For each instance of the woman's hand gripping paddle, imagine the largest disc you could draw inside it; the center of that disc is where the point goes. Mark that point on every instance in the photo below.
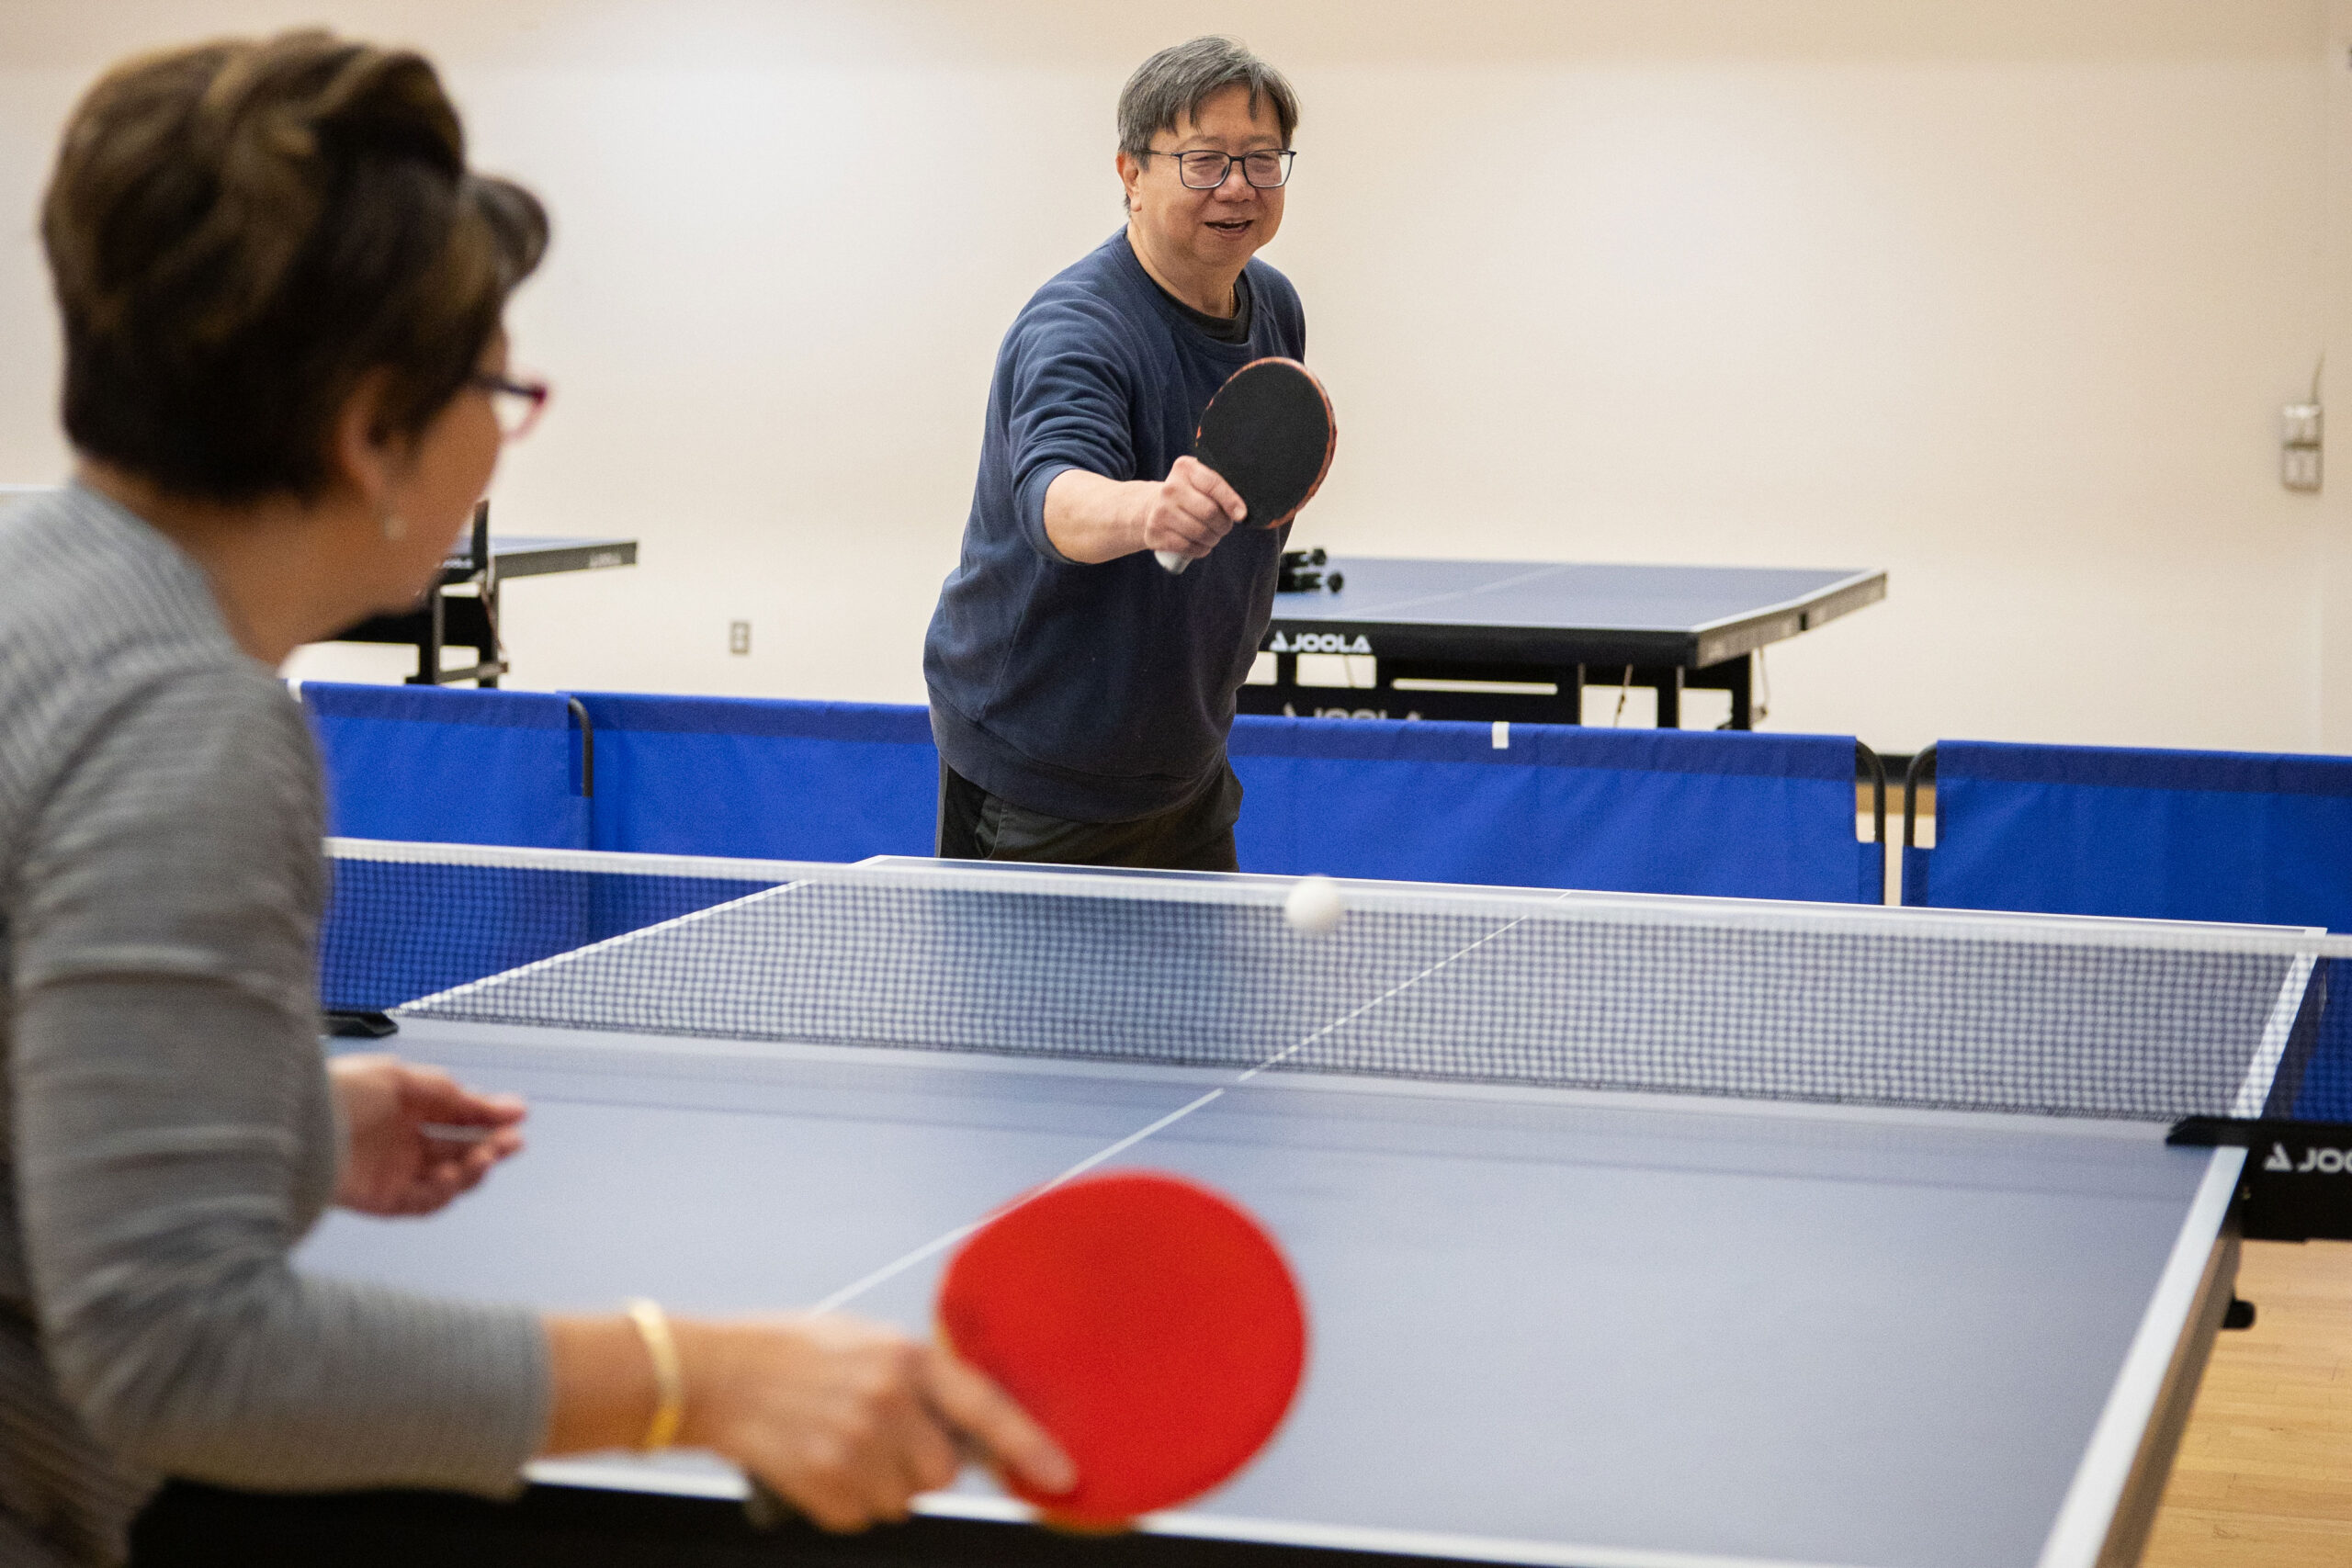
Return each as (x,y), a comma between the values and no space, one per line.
(1269,433)
(1147,1323)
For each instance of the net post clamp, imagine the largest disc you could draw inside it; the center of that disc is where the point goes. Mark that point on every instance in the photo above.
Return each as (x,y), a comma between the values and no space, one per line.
(2298,1180)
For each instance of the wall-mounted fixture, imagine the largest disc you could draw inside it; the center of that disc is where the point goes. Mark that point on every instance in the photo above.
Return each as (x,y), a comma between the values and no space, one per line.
(2298,438)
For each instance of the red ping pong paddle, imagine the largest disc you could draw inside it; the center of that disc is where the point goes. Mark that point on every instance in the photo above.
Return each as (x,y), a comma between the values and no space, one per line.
(1269,433)
(1144,1321)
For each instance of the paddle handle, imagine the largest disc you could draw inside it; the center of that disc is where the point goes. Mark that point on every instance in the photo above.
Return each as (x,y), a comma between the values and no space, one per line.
(1173,563)
(764,1508)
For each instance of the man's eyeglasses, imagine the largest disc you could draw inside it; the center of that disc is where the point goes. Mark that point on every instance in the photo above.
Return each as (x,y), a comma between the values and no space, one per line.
(517,405)
(1204,169)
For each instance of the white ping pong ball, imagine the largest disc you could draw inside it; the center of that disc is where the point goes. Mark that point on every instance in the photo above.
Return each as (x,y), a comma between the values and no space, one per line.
(1313,906)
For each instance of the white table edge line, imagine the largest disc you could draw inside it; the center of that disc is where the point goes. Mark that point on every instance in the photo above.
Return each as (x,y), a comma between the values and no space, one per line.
(2079,1532)
(1430,1543)
(2262,1072)
(627,1475)
(1785,605)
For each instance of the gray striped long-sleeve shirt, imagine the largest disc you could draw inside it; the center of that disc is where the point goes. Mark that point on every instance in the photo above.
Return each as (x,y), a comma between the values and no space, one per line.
(169,1134)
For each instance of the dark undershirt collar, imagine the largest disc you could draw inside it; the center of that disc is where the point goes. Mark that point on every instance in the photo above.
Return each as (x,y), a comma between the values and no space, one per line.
(1220,329)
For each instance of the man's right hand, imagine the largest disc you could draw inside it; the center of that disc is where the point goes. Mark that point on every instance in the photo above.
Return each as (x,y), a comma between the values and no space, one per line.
(1092,519)
(1187,512)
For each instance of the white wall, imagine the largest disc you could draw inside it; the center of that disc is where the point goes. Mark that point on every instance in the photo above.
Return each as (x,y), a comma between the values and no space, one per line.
(2002,296)
(2335,525)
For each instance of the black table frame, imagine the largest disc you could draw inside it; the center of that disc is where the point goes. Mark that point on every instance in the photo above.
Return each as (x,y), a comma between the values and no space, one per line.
(191,1526)
(443,619)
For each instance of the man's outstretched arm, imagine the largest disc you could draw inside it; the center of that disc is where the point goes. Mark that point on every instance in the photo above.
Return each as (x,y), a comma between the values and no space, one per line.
(1092,519)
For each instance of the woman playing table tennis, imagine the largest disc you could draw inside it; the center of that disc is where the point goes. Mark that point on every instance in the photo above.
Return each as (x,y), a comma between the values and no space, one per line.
(286,378)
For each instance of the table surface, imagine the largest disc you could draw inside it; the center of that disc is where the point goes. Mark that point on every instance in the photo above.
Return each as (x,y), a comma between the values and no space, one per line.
(1549,1325)
(1565,610)
(537,555)
(1562,595)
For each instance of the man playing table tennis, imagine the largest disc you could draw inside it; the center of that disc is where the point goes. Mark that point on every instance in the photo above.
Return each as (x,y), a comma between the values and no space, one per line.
(1080,695)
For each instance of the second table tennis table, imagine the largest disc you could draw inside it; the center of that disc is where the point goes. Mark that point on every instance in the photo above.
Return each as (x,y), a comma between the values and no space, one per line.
(1520,640)
(1637,1233)
(469,617)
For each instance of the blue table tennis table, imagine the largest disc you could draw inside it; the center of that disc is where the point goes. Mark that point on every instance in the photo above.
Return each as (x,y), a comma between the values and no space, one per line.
(1636,1232)
(1519,640)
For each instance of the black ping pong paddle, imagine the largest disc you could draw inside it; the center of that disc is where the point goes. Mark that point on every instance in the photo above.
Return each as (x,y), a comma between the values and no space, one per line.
(1269,433)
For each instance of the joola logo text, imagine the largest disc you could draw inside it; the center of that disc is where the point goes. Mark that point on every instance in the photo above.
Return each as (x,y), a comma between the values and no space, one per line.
(1319,642)
(2321,1162)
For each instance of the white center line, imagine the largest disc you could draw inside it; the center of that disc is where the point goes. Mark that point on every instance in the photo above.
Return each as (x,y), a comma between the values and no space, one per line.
(938,1245)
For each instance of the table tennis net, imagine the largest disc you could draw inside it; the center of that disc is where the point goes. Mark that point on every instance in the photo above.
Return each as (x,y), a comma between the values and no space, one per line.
(1823,1003)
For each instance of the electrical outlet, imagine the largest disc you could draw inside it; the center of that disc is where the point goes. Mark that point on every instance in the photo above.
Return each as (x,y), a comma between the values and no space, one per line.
(2299,431)
(739,636)
(2298,467)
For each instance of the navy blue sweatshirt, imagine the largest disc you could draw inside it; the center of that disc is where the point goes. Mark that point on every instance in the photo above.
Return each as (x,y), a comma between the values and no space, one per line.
(1100,694)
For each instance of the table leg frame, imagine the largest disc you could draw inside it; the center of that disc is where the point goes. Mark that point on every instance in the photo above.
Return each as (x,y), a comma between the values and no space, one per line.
(1286,696)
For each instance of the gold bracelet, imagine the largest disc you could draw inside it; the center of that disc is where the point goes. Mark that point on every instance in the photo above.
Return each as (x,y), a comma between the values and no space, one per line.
(669,1377)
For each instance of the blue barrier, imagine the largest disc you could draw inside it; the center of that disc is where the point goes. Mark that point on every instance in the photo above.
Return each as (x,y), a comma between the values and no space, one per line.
(765,779)
(1728,814)
(2153,834)
(2172,835)
(451,766)
(1716,813)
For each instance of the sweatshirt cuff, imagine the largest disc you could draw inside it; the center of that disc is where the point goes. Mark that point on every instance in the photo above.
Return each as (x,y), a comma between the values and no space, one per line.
(1029,502)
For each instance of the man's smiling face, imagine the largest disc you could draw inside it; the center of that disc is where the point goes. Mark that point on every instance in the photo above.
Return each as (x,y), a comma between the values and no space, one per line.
(1209,231)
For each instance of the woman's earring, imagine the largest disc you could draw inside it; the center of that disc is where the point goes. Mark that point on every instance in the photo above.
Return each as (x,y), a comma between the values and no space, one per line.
(395,526)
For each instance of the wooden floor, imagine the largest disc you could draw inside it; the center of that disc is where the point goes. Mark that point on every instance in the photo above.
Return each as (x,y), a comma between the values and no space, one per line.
(2265,1471)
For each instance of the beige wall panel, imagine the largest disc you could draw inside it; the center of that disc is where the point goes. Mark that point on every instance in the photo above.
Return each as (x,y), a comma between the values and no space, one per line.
(2002,297)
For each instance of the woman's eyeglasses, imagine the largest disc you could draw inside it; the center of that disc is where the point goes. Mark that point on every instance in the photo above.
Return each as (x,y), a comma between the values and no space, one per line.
(517,405)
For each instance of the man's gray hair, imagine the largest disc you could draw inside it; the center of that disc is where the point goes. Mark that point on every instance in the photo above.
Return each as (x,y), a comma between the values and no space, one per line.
(1171,86)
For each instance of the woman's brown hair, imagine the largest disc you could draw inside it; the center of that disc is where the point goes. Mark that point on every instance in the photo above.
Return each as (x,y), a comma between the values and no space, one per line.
(240,233)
